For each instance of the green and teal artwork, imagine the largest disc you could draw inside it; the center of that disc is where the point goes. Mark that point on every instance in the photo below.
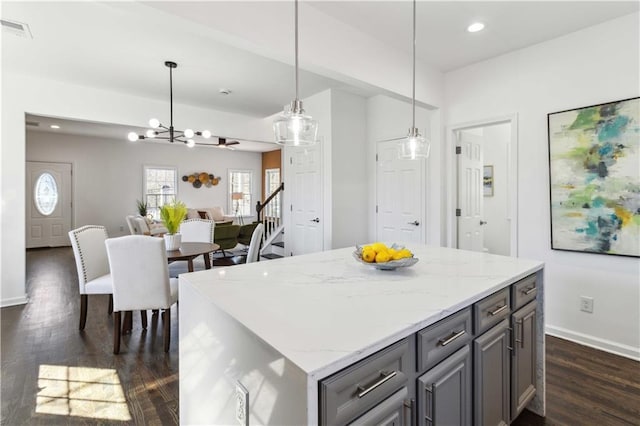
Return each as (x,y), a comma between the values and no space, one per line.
(594,169)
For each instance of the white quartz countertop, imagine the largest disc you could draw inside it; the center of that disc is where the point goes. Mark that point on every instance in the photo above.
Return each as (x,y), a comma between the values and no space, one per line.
(325,311)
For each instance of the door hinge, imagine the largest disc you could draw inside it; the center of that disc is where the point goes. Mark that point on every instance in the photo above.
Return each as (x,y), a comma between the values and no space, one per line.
(376,157)
(458,212)
(290,160)
(290,207)
(458,150)
(376,209)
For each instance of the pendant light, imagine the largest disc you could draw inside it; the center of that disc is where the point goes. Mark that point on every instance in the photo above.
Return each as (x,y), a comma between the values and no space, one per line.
(293,127)
(160,131)
(414,146)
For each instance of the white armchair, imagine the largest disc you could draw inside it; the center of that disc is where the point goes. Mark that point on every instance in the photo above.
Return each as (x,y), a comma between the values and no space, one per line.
(140,281)
(92,265)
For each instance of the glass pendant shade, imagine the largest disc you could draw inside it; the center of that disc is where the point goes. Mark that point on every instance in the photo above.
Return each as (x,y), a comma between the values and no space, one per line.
(294,128)
(414,146)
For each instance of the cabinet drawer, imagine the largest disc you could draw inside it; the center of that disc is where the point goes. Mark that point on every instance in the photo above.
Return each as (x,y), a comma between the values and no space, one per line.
(491,310)
(355,390)
(443,338)
(391,411)
(523,292)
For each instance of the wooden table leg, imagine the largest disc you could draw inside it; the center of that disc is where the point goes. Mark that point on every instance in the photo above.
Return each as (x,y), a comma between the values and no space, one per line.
(190,265)
(207,261)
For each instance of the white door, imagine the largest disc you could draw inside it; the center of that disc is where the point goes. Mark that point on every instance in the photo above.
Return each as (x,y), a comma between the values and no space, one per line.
(48,208)
(470,219)
(400,196)
(306,201)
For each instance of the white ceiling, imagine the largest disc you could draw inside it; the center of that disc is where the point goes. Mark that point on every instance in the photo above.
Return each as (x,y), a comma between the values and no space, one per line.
(122,46)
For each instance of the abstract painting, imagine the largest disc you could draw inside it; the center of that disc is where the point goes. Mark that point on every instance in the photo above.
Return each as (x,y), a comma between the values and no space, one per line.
(594,170)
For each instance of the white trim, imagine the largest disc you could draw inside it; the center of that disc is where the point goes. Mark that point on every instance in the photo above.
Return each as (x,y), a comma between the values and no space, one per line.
(13,301)
(594,342)
(452,185)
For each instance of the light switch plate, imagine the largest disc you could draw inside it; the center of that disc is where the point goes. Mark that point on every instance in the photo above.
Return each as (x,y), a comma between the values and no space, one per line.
(242,404)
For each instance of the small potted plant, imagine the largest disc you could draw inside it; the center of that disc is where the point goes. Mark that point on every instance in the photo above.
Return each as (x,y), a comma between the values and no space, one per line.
(142,208)
(172,215)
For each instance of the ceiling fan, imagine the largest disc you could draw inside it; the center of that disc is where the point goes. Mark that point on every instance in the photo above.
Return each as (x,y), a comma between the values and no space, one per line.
(222,143)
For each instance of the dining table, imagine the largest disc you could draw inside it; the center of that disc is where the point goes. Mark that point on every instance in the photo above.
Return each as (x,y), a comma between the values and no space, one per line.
(189,251)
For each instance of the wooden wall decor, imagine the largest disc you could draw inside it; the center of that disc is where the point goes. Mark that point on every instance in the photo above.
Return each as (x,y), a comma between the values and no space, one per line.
(201,179)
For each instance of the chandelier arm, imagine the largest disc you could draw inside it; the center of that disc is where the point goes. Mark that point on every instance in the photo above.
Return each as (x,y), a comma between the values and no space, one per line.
(413,96)
(296,43)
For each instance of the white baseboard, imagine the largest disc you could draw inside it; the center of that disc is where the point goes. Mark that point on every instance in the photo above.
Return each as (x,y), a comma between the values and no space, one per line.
(594,342)
(13,301)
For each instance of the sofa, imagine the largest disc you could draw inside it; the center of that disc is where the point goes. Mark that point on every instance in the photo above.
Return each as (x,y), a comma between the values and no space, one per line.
(212,213)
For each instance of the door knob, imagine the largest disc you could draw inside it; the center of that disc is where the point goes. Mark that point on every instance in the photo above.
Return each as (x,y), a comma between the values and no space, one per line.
(482,222)
(415,223)
(316,220)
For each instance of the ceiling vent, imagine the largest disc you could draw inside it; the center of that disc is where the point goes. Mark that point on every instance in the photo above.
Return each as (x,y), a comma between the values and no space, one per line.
(16,28)
(33,123)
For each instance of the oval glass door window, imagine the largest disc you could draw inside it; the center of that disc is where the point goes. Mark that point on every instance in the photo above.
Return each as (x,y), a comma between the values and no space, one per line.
(45,194)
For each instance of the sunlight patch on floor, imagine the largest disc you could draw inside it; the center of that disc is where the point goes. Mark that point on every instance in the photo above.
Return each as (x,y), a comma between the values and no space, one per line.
(81,391)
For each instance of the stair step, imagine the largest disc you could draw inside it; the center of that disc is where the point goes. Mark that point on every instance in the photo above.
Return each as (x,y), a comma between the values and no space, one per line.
(279,244)
(271,256)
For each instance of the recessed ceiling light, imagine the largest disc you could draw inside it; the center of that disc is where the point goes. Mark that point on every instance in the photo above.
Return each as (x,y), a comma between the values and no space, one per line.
(475,27)
(54,126)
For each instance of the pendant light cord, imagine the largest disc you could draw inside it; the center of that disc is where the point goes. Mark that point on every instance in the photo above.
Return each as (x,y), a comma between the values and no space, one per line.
(413,96)
(296,43)
(170,104)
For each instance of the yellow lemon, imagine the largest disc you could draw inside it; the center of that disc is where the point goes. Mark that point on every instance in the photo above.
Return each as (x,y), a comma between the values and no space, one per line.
(379,247)
(392,252)
(404,253)
(368,255)
(383,257)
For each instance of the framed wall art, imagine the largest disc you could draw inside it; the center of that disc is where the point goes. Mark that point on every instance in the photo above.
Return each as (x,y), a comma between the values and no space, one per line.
(594,173)
(487,181)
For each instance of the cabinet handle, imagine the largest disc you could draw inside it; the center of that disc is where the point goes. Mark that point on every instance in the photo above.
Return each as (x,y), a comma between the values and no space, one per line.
(497,311)
(451,338)
(410,404)
(521,328)
(529,291)
(384,377)
(429,404)
(510,339)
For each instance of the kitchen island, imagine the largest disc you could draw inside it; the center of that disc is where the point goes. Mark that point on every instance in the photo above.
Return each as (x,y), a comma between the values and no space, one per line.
(279,327)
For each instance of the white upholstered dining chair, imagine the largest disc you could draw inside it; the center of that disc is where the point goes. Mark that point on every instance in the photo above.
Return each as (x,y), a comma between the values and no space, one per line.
(194,231)
(254,245)
(140,281)
(92,265)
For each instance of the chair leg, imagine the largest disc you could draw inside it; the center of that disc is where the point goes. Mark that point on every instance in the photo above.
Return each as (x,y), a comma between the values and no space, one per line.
(116,333)
(143,317)
(83,310)
(127,322)
(166,318)
(110,308)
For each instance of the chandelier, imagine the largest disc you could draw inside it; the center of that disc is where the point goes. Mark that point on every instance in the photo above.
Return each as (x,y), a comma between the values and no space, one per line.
(160,131)
(293,127)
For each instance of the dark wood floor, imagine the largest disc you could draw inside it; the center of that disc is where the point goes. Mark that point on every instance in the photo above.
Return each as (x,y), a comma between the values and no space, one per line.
(41,339)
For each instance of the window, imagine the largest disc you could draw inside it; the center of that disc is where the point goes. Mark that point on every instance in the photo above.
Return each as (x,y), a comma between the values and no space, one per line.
(271,183)
(46,194)
(240,184)
(160,187)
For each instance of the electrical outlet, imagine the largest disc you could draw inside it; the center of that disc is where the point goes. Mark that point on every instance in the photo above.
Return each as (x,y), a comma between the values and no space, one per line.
(586,304)
(121,228)
(242,404)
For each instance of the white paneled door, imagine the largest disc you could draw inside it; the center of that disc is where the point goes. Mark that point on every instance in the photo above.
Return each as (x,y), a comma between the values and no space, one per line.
(306,201)
(400,196)
(48,204)
(470,201)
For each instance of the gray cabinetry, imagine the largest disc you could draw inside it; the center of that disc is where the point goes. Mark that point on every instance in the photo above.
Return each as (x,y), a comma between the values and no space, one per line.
(523,365)
(491,390)
(444,392)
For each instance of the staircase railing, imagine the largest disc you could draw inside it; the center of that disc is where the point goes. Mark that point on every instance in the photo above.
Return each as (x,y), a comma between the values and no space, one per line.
(270,212)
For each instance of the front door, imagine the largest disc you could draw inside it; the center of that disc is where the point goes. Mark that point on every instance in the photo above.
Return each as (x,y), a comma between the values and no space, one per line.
(400,198)
(470,201)
(306,201)
(48,204)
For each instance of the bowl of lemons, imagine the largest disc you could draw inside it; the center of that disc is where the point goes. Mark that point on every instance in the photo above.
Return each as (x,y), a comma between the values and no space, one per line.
(383,257)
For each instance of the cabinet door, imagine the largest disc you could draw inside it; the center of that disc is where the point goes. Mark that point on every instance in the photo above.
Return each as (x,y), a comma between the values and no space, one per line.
(491,376)
(444,392)
(523,367)
(393,411)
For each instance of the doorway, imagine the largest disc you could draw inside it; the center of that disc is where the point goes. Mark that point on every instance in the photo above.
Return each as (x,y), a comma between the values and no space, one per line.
(484,186)
(48,204)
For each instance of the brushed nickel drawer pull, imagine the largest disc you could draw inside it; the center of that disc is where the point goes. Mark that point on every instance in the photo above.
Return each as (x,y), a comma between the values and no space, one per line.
(454,336)
(497,311)
(385,377)
(529,291)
